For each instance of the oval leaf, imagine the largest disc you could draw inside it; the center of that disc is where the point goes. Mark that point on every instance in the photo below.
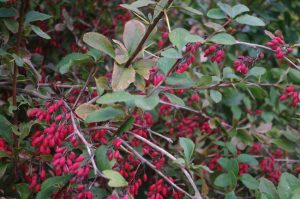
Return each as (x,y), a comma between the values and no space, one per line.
(115,178)
(250,20)
(103,114)
(122,77)
(223,38)
(99,42)
(134,31)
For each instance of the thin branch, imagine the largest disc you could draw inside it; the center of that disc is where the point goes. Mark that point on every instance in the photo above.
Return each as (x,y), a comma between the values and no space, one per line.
(216,31)
(92,72)
(185,108)
(266,48)
(155,133)
(169,155)
(147,34)
(144,160)
(84,141)
(22,12)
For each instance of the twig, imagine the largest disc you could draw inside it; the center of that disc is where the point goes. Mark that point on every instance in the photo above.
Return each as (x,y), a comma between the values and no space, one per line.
(144,160)
(253,45)
(86,144)
(185,108)
(216,31)
(92,72)
(169,155)
(23,8)
(155,133)
(145,37)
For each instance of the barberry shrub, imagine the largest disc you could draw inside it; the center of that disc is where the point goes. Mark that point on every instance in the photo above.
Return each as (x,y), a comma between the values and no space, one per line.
(149,99)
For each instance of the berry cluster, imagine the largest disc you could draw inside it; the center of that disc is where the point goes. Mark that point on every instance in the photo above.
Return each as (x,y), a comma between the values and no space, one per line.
(242,64)
(190,50)
(215,52)
(280,47)
(290,92)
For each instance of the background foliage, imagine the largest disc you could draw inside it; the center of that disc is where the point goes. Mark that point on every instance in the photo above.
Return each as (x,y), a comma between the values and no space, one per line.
(149,99)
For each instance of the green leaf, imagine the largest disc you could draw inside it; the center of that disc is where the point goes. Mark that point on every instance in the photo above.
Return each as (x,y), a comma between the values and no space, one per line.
(216,13)
(95,54)
(191,10)
(171,53)
(126,126)
(102,160)
(134,31)
(249,181)
(287,184)
(115,178)
(103,114)
(194,38)
(204,81)
(294,75)
(225,8)
(140,83)
(39,32)
(246,158)
(237,112)
(296,193)
(137,4)
(231,148)
(177,37)
(217,27)
(7,12)
(159,7)
(23,190)
(51,185)
(268,188)
(180,80)
(32,16)
(216,96)
(119,96)
(18,60)
(229,164)
(225,180)
(188,148)
(165,64)
(202,167)
(122,77)
(250,20)
(99,42)
(174,99)
(11,25)
(6,130)
(228,73)
(102,84)
(285,144)
(257,71)
(84,109)
(146,103)
(142,3)
(143,72)
(3,167)
(133,9)
(223,38)
(239,9)
(4,154)
(230,195)
(258,92)
(72,59)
